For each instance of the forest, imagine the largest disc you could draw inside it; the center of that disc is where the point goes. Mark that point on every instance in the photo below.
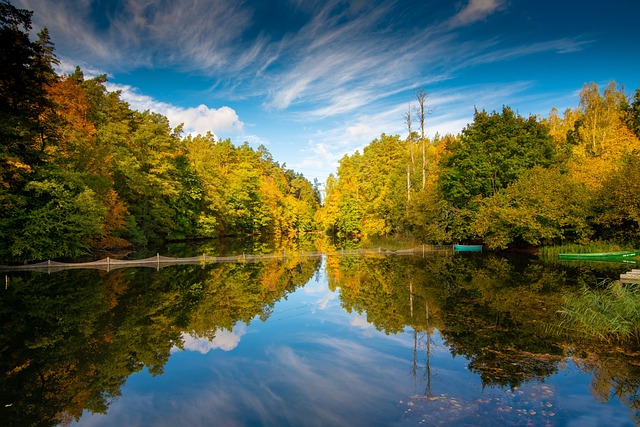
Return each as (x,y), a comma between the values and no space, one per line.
(81,171)
(505,180)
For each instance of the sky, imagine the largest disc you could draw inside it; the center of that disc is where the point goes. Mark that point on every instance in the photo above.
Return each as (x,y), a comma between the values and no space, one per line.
(313,80)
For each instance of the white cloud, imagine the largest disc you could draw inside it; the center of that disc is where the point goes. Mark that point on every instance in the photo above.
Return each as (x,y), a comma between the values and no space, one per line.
(317,161)
(224,340)
(68,67)
(197,120)
(202,118)
(358,131)
(475,11)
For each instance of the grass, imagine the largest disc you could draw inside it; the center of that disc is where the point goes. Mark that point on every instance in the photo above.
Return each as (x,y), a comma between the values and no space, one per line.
(552,252)
(611,312)
(391,243)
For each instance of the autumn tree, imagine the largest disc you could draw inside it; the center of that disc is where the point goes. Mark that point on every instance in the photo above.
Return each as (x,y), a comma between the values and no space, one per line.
(368,197)
(543,207)
(616,204)
(632,113)
(600,136)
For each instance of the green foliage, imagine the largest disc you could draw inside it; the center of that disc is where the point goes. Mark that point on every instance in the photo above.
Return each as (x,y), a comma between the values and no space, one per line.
(632,113)
(492,153)
(78,167)
(542,207)
(369,196)
(616,205)
(427,216)
(62,221)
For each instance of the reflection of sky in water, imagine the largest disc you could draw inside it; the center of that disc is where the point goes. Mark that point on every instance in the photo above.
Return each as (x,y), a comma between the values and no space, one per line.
(224,340)
(314,364)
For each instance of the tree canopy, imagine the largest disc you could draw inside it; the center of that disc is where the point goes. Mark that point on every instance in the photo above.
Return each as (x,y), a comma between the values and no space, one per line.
(505,180)
(80,169)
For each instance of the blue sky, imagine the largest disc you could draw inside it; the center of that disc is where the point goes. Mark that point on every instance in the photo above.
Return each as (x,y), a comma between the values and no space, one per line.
(313,80)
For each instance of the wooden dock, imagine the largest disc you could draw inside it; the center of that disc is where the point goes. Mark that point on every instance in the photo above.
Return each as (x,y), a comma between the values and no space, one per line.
(632,276)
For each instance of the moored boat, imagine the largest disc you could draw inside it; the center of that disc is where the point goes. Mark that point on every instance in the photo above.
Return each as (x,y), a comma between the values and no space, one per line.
(601,256)
(467,248)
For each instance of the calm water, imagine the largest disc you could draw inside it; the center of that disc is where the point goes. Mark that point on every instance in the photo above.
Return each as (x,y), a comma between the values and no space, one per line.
(356,341)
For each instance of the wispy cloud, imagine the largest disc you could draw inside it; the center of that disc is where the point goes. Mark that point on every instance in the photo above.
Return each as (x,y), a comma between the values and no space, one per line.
(475,11)
(508,53)
(201,34)
(338,69)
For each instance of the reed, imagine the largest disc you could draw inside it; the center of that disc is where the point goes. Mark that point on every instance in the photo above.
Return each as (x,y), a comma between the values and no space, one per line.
(552,252)
(610,312)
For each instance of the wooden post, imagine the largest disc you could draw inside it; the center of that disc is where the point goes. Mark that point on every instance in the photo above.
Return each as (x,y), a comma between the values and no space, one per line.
(108,264)
(158,259)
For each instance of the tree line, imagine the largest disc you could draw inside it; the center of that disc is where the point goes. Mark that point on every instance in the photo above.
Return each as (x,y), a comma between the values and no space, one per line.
(80,170)
(505,180)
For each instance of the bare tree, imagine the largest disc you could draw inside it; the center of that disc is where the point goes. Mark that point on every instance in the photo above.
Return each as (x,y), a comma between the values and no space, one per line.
(422,112)
(407,120)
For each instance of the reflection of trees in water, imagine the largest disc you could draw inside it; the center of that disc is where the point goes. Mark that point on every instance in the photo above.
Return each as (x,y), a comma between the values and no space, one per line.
(496,312)
(71,339)
(615,372)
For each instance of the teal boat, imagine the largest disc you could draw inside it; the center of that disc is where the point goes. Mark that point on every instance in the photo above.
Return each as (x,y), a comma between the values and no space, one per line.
(601,256)
(467,248)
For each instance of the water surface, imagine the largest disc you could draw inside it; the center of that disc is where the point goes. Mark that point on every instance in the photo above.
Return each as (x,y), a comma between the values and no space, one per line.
(465,339)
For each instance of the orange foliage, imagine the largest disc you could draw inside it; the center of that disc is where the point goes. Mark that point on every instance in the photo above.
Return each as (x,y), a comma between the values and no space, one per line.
(77,142)
(116,211)
(272,274)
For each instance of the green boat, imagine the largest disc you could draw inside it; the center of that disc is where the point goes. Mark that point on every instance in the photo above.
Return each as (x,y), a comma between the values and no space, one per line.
(601,256)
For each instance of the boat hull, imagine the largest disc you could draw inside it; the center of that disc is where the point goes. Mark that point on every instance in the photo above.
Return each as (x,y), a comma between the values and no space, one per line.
(601,256)
(467,248)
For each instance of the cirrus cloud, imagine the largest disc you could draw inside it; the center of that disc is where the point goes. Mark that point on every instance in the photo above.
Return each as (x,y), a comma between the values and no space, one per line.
(475,11)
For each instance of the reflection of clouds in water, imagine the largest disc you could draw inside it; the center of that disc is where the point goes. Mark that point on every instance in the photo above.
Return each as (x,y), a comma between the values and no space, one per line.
(350,378)
(325,299)
(321,381)
(360,321)
(314,288)
(224,340)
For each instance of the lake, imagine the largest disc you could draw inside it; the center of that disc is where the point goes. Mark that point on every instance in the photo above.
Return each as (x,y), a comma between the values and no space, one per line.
(439,339)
